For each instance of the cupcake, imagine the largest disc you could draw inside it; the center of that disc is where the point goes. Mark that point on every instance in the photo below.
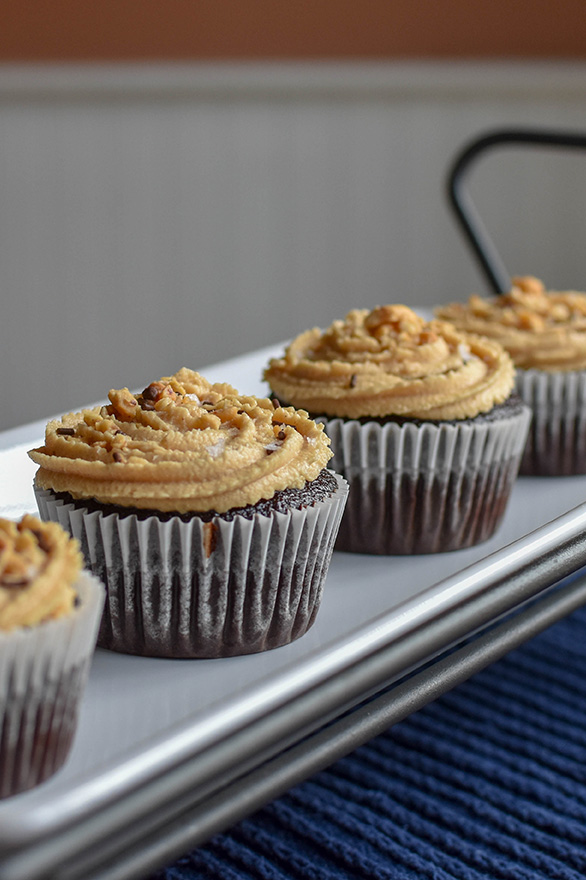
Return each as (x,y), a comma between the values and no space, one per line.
(545,334)
(423,426)
(49,616)
(210,516)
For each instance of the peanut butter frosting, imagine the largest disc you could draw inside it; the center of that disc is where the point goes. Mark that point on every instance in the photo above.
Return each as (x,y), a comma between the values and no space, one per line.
(182,445)
(39,563)
(390,362)
(541,329)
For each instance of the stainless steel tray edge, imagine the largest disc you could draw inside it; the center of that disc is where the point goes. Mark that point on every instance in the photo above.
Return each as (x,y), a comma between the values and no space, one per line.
(129,855)
(327,745)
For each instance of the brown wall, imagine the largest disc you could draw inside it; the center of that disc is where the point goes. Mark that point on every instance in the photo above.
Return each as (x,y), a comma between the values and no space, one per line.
(180,30)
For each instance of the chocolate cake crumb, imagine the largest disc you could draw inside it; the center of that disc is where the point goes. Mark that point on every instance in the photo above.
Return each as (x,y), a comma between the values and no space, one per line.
(511,406)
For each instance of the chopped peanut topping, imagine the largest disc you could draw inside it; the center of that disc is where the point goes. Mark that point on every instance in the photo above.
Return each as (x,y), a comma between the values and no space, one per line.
(39,563)
(181,445)
(543,329)
(391,362)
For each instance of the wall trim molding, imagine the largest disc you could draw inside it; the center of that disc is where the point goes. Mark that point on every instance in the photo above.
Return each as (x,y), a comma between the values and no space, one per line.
(342,80)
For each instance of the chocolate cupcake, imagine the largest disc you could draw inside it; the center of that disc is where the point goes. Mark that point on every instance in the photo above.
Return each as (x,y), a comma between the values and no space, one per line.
(49,616)
(545,334)
(210,516)
(422,423)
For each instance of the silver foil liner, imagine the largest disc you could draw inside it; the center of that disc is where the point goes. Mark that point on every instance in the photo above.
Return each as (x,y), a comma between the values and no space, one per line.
(180,588)
(43,671)
(425,487)
(556,445)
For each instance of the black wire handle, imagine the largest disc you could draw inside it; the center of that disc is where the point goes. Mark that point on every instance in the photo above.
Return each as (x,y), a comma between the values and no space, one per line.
(463,206)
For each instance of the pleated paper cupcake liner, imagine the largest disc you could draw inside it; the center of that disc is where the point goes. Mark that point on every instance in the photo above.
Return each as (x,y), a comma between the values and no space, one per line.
(556,445)
(43,672)
(425,487)
(180,588)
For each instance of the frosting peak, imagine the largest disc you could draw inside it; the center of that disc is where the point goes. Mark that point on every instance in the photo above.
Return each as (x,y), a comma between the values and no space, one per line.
(390,361)
(388,335)
(181,445)
(386,322)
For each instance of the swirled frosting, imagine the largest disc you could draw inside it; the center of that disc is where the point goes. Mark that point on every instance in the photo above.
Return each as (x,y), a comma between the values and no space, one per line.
(181,445)
(390,361)
(541,329)
(39,563)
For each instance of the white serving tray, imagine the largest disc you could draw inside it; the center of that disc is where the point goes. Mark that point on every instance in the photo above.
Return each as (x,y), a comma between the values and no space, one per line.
(168,752)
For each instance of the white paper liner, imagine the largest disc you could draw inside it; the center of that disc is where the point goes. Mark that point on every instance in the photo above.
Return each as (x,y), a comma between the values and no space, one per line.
(43,671)
(195,589)
(424,487)
(556,444)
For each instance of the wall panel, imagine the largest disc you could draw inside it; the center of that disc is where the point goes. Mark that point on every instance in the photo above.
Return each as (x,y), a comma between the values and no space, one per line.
(154,218)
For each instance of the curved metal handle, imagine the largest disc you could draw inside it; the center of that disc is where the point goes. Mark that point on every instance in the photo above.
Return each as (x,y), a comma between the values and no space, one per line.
(463,206)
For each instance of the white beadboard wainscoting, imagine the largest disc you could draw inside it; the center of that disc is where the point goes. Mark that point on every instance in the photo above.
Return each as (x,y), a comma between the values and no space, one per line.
(153,217)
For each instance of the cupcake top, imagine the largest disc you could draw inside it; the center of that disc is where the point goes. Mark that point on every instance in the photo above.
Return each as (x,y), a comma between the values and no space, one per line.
(39,563)
(541,329)
(390,362)
(182,445)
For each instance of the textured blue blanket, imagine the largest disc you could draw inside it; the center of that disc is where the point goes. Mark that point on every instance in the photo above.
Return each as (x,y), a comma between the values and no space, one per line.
(487,782)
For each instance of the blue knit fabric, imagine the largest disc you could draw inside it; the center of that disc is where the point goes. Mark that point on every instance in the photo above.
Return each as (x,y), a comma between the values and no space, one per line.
(488,782)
